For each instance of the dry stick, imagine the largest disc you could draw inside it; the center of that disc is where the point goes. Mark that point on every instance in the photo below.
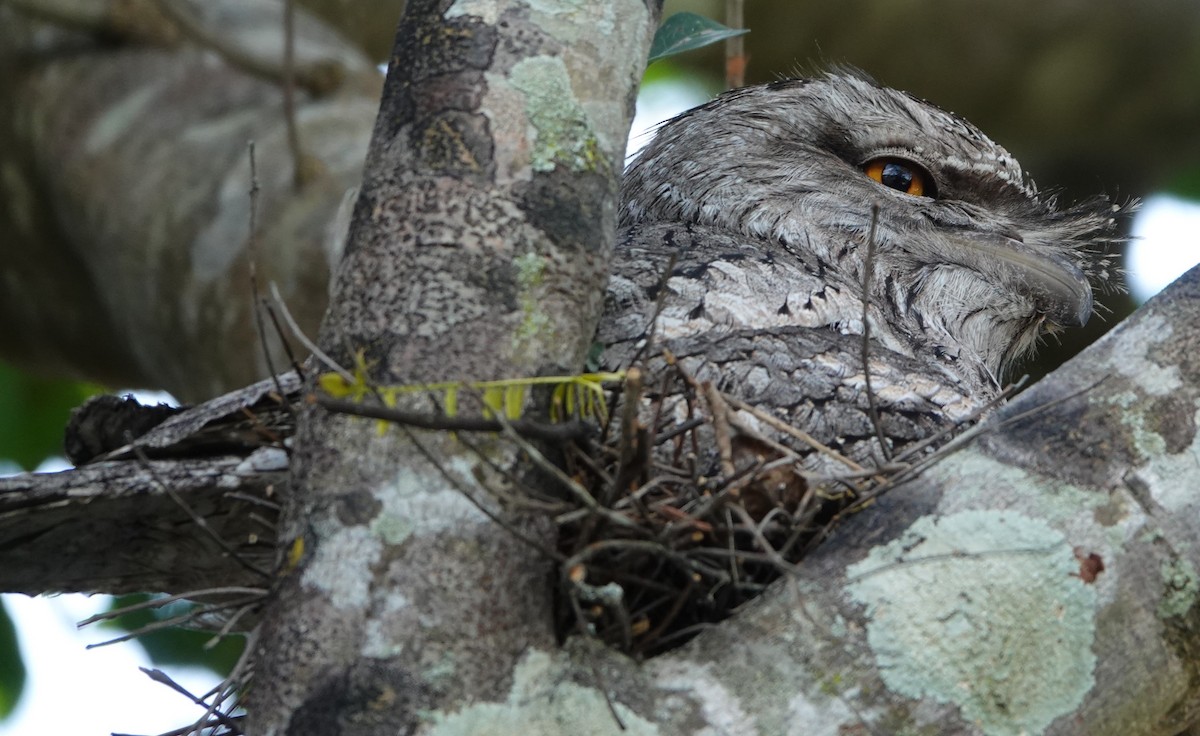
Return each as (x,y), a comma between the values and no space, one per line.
(659,303)
(918,447)
(239,496)
(681,598)
(233,681)
(868,269)
(913,471)
(764,545)
(453,481)
(577,491)
(529,500)
(163,679)
(160,602)
(799,434)
(563,432)
(722,433)
(979,430)
(677,430)
(629,448)
(683,562)
(174,621)
(600,682)
(256,297)
(304,339)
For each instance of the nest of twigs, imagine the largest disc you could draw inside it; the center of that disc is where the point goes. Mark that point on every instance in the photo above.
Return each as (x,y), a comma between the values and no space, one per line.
(692,515)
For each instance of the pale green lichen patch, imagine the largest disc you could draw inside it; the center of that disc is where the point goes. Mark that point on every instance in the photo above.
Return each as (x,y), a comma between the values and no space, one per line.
(1135,364)
(392,528)
(1132,414)
(348,547)
(1180,587)
(979,477)
(542,702)
(985,610)
(417,500)
(531,274)
(1170,478)
(563,134)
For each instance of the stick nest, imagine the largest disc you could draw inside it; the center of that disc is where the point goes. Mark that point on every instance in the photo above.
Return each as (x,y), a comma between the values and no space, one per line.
(682,519)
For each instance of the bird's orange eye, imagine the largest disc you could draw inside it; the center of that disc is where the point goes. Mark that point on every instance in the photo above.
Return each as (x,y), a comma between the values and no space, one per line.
(903,176)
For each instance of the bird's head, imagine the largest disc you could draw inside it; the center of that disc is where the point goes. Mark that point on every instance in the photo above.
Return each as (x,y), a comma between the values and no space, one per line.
(971,262)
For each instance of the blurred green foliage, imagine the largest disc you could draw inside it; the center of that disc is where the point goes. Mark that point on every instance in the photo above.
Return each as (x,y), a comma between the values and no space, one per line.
(33,413)
(12,669)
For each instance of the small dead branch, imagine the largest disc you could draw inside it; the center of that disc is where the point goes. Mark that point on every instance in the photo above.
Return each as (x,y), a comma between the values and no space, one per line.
(562,432)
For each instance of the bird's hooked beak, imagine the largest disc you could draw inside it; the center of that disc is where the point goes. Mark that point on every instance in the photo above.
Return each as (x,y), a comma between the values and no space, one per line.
(1058,287)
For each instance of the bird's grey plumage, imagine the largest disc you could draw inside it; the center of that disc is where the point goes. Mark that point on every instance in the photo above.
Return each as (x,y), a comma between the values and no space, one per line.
(762,197)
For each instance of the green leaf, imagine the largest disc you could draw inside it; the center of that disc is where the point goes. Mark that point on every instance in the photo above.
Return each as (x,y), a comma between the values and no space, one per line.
(33,414)
(687,31)
(12,669)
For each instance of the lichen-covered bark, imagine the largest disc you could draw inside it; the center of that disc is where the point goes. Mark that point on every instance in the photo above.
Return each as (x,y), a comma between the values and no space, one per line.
(478,250)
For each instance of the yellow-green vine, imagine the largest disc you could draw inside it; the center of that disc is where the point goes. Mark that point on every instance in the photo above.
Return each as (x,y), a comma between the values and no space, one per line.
(579,396)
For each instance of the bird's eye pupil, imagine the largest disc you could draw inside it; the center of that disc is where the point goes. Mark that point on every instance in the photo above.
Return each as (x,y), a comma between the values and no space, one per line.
(901,175)
(896,176)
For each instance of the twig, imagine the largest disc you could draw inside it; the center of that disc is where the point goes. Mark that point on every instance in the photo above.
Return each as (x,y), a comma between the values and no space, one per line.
(174,621)
(165,600)
(458,486)
(722,433)
(868,270)
(563,432)
(304,339)
(799,434)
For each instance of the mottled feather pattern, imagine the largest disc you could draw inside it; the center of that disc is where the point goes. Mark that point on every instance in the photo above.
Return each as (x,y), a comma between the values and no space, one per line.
(762,198)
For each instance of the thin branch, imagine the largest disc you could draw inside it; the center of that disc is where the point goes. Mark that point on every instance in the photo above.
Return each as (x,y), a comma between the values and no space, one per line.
(304,339)
(868,270)
(165,600)
(564,432)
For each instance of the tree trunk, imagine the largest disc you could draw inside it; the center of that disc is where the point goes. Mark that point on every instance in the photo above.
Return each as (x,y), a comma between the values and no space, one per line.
(479,250)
